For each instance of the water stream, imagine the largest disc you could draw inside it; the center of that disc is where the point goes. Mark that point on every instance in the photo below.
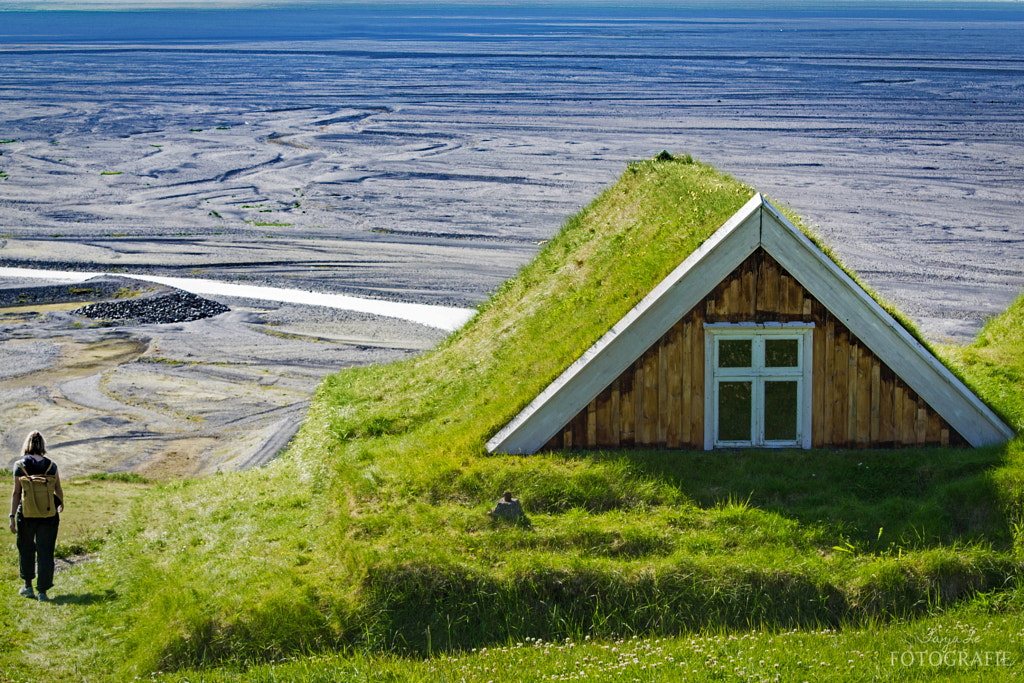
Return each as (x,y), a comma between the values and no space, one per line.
(442,317)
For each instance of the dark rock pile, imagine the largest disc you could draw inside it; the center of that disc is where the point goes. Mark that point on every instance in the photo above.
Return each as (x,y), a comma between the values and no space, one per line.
(176,307)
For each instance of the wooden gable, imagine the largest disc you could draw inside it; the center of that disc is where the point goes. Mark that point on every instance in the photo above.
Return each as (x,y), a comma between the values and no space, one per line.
(658,401)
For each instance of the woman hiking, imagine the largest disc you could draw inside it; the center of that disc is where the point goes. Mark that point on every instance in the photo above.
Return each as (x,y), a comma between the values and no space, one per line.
(36,504)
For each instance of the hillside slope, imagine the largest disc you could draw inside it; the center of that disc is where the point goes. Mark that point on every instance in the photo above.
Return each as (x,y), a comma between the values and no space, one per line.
(371,533)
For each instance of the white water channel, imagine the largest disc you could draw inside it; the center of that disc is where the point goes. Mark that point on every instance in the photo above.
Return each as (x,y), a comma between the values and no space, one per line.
(442,317)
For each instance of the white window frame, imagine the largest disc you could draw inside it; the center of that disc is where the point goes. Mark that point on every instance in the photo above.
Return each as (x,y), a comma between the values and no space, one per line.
(757,375)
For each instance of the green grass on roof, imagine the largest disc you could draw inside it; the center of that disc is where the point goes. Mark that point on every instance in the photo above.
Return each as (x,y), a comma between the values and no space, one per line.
(994,364)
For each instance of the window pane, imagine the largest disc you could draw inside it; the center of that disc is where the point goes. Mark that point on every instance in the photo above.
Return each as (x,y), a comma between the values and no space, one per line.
(781,353)
(780,411)
(735,353)
(734,401)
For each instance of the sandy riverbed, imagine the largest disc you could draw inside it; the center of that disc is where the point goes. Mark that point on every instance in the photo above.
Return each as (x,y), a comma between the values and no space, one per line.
(181,399)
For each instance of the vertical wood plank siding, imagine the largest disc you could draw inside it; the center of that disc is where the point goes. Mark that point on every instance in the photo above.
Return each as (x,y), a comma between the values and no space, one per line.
(658,402)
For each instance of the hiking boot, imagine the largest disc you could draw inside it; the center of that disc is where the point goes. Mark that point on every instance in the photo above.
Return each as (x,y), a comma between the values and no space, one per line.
(42,596)
(26,591)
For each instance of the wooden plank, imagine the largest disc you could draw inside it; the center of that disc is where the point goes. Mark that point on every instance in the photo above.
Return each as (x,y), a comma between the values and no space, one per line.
(579,430)
(796,297)
(627,409)
(734,302)
(818,379)
(659,362)
(784,282)
(841,353)
(567,436)
(863,396)
(614,418)
(885,429)
(739,301)
(909,418)
(771,285)
(749,294)
(591,441)
(933,433)
(852,385)
(673,406)
(762,269)
(921,423)
(649,428)
(603,426)
(828,389)
(686,385)
(639,395)
(662,417)
(876,399)
(944,436)
(697,384)
(898,398)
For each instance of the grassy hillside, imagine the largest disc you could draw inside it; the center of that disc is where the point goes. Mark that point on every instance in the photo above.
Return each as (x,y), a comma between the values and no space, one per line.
(367,547)
(995,363)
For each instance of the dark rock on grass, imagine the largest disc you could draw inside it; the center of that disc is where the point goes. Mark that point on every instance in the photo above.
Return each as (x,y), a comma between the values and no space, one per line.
(509,509)
(176,307)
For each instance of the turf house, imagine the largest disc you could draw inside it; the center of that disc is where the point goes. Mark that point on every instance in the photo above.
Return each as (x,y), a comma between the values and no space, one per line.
(757,339)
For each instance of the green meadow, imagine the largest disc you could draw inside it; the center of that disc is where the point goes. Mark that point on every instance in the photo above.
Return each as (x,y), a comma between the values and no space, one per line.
(365,552)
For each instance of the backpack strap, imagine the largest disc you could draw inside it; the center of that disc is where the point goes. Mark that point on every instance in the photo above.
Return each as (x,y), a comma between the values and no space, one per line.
(50,470)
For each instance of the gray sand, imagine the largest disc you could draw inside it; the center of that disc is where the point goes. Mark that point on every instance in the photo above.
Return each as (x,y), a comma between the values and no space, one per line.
(933,225)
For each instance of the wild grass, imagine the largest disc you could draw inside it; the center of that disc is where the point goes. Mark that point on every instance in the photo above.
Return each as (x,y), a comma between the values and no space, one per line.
(917,650)
(366,550)
(995,363)
(94,505)
(127,293)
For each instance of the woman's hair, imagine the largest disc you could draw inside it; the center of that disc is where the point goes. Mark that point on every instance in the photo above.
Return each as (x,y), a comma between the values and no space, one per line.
(34,445)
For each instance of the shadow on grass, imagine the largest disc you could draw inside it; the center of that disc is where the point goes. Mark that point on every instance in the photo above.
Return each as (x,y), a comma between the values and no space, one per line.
(909,498)
(84,599)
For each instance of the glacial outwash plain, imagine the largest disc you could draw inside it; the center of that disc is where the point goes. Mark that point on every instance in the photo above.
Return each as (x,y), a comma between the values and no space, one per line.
(425,158)
(296,492)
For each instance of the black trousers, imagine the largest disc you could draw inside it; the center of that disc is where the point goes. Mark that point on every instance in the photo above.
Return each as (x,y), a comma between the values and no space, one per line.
(36,541)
